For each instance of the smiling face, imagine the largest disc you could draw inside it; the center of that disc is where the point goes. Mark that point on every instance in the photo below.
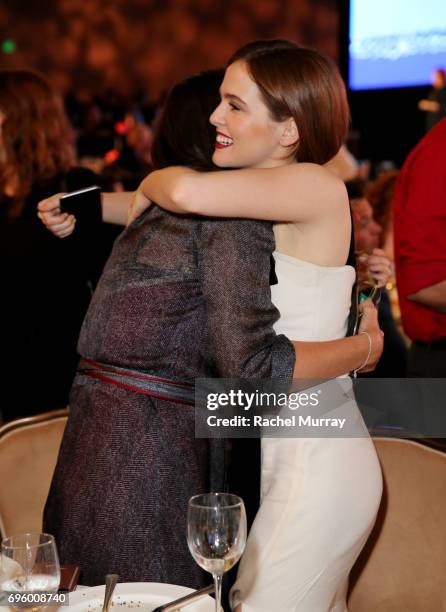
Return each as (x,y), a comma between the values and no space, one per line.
(246,134)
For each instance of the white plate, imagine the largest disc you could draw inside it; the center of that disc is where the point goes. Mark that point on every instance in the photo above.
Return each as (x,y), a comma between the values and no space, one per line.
(138,596)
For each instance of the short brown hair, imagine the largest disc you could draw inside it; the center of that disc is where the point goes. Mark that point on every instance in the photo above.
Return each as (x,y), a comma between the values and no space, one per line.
(36,138)
(306,85)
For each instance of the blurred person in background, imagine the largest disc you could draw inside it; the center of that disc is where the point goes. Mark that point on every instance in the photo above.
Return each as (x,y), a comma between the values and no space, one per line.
(380,193)
(112,138)
(420,252)
(344,165)
(435,104)
(128,159)
(46,282)
(376,268)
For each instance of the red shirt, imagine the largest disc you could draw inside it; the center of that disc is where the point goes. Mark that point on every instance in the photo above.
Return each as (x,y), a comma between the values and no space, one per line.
(420,232)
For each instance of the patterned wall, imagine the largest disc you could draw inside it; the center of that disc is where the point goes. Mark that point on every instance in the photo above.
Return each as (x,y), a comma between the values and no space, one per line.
(146,45)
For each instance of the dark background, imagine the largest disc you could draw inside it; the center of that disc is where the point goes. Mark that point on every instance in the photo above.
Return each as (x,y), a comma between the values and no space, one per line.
(140,47)
(386,123)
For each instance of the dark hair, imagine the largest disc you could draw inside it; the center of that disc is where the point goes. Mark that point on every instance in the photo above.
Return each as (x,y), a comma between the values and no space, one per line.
(35,134)
(184,136)
(303,84)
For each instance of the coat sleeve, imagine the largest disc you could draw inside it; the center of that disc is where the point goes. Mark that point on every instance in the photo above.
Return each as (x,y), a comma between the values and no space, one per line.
(234,261)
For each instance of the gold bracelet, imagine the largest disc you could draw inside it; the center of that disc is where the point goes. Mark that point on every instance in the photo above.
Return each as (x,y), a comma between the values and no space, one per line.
(355,372)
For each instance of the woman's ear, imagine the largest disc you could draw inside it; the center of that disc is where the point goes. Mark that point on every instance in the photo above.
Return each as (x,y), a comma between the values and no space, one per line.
(290,133)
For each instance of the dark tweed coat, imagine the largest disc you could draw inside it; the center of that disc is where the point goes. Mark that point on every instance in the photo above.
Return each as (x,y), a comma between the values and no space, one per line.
(186,298)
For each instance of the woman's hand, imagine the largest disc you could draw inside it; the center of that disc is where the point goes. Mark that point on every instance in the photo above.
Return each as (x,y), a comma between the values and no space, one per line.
(379,267)
(369,323)
(59,223)
(138,205)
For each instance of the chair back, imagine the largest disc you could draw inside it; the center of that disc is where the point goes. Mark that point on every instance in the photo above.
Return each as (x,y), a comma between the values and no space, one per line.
(403,565)
(28,454)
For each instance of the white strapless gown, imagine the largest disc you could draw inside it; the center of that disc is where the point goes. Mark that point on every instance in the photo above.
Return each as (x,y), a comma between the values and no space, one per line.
(319,496)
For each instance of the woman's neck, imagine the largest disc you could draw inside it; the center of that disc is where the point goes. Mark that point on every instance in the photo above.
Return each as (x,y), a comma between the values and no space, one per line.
(276,163)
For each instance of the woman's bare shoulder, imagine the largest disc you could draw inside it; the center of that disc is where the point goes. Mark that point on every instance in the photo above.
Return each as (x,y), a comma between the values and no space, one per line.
(316,181)
(317,171)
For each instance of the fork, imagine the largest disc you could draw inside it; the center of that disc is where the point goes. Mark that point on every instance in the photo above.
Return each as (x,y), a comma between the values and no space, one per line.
(174,606)
(110,583)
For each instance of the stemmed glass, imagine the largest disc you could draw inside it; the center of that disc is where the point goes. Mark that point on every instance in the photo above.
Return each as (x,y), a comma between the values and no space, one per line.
(366,286)
(216,534)
(366,281)
(29,563)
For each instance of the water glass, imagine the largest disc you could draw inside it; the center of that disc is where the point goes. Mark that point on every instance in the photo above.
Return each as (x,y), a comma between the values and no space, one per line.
(216,534)
(29,564)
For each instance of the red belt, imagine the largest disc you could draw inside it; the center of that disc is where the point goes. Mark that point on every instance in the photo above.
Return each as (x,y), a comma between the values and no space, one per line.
(140,381)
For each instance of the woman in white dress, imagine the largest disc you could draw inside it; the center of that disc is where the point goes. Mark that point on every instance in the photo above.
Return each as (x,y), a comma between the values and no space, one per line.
(283,113)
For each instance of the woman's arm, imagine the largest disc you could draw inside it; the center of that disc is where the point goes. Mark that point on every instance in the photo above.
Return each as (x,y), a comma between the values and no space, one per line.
(433,296)
(295,192)
(235,258)
(336,357)
(431,106)
(115,206)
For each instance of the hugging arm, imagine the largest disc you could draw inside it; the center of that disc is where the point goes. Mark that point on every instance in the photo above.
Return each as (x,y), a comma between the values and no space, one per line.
(336,357)
(234,264)
(235,270)
(299,192)
(115,206)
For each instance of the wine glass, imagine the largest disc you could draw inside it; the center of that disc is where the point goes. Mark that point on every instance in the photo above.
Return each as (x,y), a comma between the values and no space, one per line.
(216,534)
(30,564)
(365,278)
(366,287)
